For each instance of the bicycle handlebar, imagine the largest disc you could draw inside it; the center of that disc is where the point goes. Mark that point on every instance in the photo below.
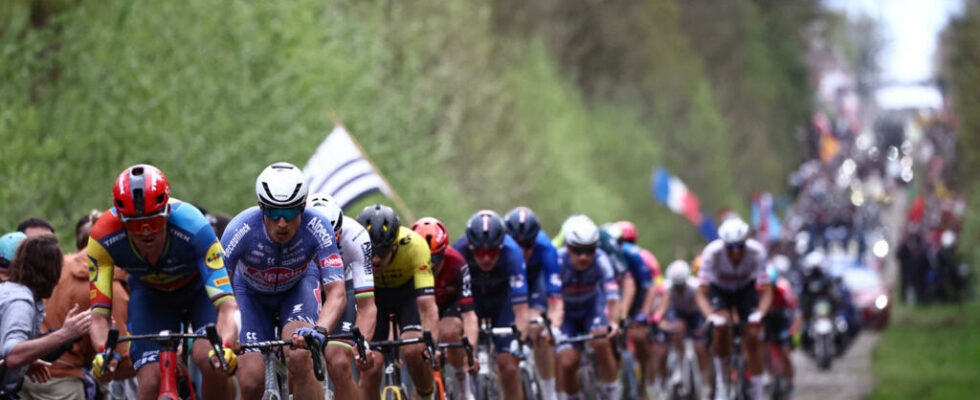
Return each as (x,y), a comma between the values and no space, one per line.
(354,335)
(464,344)
(166,339)
(587,337)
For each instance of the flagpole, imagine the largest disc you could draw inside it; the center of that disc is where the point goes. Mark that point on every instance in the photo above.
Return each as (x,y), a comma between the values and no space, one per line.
(399,203)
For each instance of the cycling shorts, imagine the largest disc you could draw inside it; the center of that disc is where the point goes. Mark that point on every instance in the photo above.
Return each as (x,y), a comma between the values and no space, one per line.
(692,322)
(593,320)
(401,302)
(152,311)
(260,310)
(501,316)
(347,320)
(776,324)
(538,293)
(745,299)
(451,310)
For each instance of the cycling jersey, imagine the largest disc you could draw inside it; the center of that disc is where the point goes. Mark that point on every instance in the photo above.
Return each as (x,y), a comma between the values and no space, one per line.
(192,257)
(269,267)
(718,271)
(507,277)
(585,290)
(608,244)
(652,264)
(355,250)
(686,301)
(541,266)
(783,296)
(453,283)
(411,261)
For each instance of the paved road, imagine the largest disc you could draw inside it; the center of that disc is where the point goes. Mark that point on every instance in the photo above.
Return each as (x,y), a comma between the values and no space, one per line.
(849,376)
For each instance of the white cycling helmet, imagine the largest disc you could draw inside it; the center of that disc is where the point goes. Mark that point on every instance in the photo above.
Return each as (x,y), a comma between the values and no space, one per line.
(678,272)
(580,231)
(733,230)
(326,203)
(781,263)
(814,261)
(281,185)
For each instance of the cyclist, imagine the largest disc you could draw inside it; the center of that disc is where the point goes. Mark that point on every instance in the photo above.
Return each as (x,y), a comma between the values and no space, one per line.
(783,319)
(176,273)
(731,267)
(402,271)
(637,302)
(269,249)
(499,288)
(355,250)
(453,296)
(541,260)
(589,294)
(679,313)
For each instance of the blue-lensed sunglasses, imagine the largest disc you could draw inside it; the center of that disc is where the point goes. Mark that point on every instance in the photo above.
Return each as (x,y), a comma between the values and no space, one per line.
(436,258)
(275,213)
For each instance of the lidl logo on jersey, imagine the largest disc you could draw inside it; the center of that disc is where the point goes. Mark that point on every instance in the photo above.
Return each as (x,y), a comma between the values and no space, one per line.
(516,281)
(160,279)
(214,259)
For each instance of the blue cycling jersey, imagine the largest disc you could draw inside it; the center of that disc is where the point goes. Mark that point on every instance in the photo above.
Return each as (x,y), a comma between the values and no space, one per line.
(544,258)
(269,267)
(636,267)
(583,290)
(508,275)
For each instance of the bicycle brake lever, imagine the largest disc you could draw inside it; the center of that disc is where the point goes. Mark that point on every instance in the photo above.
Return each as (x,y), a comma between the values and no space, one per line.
(316,353)
(469,350)
(110,344)
(430,345)
(359,343)
(212,333)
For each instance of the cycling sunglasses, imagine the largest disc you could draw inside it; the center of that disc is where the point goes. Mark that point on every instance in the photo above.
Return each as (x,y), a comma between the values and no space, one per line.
(485,253)
(275,213)
(437,257)
(582,250)
(153,222)
(735,246)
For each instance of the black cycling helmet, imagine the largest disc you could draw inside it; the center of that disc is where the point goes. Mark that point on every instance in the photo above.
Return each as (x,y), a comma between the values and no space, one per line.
(485,230)
(382,225)
(522,225)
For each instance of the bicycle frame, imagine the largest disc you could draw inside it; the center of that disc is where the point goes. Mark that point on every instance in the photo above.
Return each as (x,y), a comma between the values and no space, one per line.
(440,380)
(168,343)
(391,380)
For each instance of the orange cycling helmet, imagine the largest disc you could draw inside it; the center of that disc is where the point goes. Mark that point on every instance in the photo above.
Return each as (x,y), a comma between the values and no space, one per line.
(434,232)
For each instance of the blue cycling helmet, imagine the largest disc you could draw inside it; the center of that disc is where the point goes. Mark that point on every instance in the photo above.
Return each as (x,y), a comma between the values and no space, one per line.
(522,225)
(485,230)
(8,247)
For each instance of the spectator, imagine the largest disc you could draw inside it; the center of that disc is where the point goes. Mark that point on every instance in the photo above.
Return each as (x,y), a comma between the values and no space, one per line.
(33,275)
(72,291)
(8,246)
(34,226)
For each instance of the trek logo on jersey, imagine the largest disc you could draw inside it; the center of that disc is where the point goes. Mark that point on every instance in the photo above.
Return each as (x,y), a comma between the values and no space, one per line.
(333,261)
(516,281)
(273,276)
(221,281)
(315,226)
(213,259)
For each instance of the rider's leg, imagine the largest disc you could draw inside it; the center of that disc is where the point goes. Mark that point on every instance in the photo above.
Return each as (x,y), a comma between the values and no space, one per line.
(755,357)
(567,362)
(722,347)
(544,357)
(608,367)
(642,349)
(149,375)
(251,375)
(418,367)
(339,357)
(299,364)
(450,331)
(369,384)
(510,376)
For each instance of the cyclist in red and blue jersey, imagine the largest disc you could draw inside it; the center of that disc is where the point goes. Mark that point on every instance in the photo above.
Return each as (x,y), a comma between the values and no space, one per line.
(269,252)
(499,287)
(589,301)
(541,259)
(454,297)
(176,274)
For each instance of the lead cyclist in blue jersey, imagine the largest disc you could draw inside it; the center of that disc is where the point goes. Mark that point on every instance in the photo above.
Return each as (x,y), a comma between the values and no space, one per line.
(269,250)
(541,259)
(590,300)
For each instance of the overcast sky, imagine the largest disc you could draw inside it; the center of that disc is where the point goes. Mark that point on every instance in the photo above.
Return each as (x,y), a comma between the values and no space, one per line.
(911,28)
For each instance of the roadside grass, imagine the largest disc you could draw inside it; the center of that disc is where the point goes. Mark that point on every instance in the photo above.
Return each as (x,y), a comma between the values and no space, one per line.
(929,352)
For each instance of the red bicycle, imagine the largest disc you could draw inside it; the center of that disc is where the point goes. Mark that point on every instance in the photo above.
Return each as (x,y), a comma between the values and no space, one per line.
(171,371)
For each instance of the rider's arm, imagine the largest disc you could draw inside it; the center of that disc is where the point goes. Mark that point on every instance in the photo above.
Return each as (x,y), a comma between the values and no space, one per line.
(704,280)
(649,299)
(702,299)
(664,304)
(334,305)
(100,271)
(609,286)
(629,293)
(211,265)
(331,266)
(363,277)
(766,299)
(517,273)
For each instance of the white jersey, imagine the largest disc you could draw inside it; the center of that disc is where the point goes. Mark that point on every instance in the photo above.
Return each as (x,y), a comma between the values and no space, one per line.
(355,249)
(717,270)
(685,301)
